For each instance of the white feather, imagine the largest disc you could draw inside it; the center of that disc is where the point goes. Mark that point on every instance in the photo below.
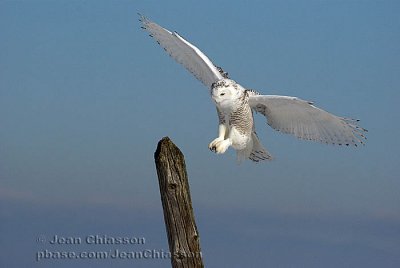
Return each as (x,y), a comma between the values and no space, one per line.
(305,121)
(184,53)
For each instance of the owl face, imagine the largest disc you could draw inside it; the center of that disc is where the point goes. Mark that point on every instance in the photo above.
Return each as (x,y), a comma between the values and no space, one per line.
(224,91)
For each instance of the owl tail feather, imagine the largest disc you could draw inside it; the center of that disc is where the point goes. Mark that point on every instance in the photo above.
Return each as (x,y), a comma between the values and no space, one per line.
(257,153)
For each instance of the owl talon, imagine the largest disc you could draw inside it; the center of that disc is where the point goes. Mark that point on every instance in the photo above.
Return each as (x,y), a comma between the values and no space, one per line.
(213,145)
(219,146)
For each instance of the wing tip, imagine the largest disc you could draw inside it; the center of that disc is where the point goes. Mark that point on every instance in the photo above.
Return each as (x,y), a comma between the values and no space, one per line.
(141,17)
(144,21)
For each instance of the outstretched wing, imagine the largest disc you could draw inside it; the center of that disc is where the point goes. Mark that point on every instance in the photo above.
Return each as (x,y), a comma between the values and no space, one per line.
(305,121)
(184,53)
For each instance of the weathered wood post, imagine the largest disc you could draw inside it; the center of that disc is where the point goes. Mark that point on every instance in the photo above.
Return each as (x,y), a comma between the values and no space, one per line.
(183,237)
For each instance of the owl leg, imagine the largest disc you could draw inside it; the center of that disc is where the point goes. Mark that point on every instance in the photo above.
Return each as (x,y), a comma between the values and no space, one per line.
(216,145)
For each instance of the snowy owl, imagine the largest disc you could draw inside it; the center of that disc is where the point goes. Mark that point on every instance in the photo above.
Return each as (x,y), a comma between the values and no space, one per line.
(236,104)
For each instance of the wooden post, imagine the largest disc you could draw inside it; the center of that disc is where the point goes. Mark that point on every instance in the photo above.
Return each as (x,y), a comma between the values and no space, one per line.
(183,237)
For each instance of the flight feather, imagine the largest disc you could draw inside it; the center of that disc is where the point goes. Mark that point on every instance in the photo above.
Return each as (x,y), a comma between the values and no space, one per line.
(184,53)
(305,121)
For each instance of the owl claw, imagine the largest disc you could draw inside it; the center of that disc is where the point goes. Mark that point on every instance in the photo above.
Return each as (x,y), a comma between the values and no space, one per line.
(219,145)
(213,145)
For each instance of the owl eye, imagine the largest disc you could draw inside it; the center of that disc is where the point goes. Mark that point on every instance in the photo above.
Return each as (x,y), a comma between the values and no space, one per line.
(222,94)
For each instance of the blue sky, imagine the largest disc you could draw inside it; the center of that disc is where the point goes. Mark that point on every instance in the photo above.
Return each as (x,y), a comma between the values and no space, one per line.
(85,95)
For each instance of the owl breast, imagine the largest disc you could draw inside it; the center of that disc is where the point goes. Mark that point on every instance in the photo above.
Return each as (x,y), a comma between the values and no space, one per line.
(241,125)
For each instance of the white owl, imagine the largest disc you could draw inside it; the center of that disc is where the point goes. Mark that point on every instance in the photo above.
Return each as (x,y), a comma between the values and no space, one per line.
(235,105)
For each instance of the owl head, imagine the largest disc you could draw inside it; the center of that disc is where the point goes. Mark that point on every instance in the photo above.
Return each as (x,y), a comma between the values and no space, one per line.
(225,91)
